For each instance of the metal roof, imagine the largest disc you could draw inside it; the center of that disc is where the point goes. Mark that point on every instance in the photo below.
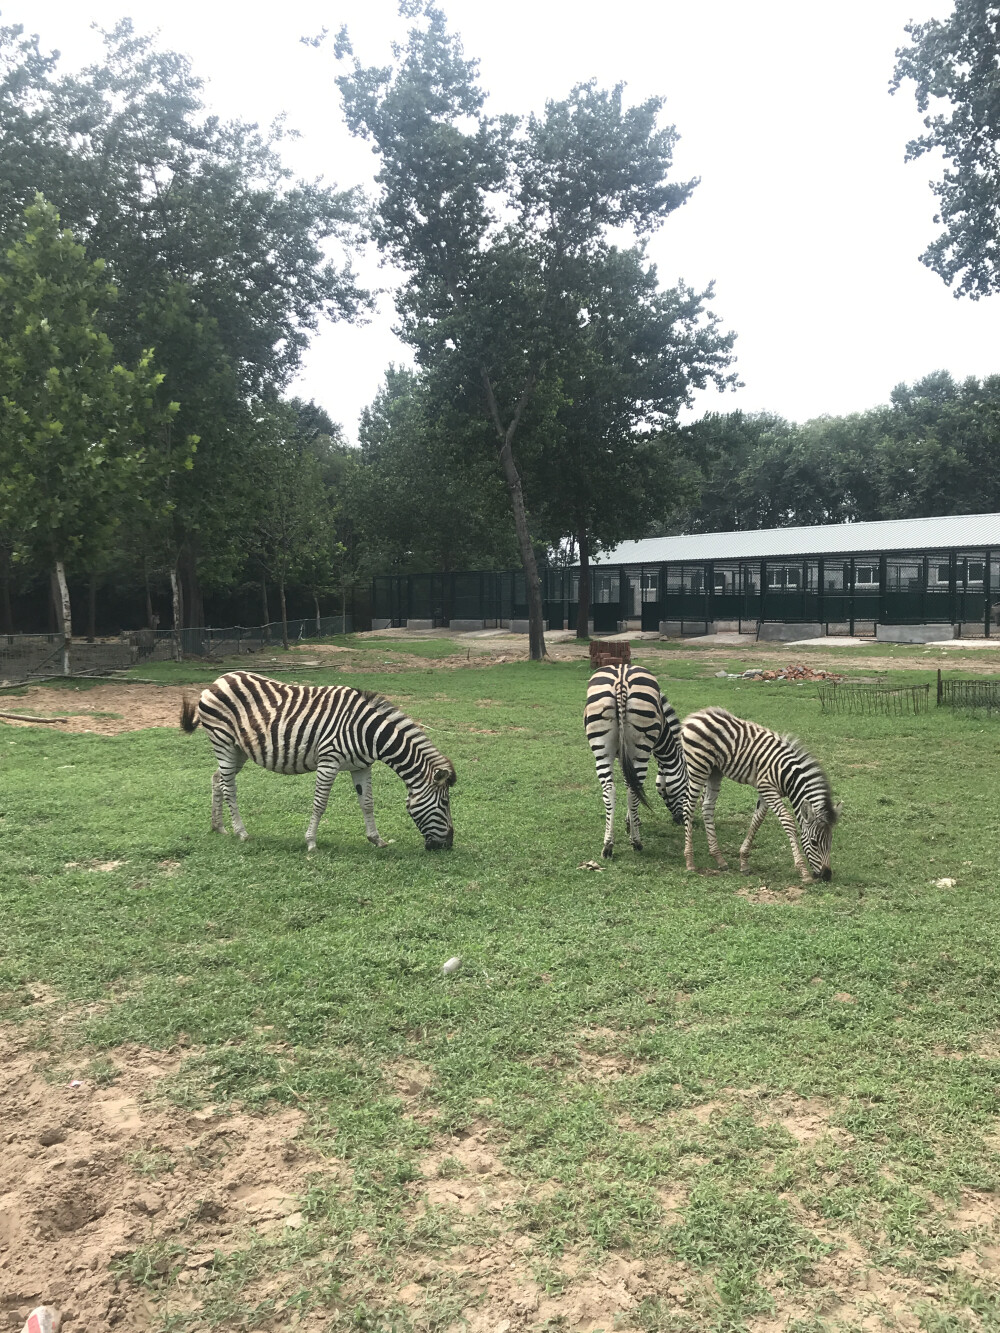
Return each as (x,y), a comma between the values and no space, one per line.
(951,532)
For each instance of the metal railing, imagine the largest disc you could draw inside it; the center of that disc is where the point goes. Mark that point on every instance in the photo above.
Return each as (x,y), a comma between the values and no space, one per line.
(26,657)
(888,700)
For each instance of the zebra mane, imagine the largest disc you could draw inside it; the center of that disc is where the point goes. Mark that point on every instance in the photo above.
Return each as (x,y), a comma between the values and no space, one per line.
(385,706)
(798,751)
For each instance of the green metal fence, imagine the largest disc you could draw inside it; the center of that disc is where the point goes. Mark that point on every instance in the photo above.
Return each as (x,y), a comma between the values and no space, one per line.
(908,588)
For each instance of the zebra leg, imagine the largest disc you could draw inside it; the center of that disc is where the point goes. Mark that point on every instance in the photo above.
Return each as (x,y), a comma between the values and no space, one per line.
(230,763)
(608,792)
(712,787)
(325,775)
(632,806)
(693,797)
(773,799)
(363,787)
(759,814)
(218,822)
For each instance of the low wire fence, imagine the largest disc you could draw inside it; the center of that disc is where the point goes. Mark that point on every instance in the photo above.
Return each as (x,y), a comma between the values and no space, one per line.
(871,699)
(975,695)
(26,657)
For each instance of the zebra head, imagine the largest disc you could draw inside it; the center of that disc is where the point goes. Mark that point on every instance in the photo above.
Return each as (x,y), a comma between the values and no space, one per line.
(671,783)
(817,835)
(429,805)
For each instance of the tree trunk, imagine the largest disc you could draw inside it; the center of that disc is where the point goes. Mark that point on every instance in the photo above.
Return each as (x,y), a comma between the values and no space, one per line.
(343,606)
(284,613)
(53,603)
(583,599)
(194,605)
(536,629)
(178,595)
(92,608)
(65,614)
(151,624)
(319,618)
(266,609)
(5,606)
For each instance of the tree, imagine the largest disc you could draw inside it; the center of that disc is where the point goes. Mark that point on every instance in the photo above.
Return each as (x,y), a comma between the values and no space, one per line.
(73,421)
(957,60)
(605,471)
(221,260)
(495,224)
(293,515)
(446,501)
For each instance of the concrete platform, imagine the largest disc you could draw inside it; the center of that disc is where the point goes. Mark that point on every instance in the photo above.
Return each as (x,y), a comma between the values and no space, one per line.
(914,633)
(775,632)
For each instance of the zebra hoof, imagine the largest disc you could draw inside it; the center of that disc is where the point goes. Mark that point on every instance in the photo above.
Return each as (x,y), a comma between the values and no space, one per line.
(637,846)
(378,842)
(609,851)
(242,834)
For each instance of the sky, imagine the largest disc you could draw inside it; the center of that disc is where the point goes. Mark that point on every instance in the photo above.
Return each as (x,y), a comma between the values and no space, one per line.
(806,219)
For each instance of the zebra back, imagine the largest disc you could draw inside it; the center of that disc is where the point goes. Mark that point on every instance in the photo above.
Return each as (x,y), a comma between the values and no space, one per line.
(747,752)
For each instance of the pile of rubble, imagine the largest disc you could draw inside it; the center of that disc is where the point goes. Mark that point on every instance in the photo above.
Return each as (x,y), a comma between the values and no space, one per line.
(799,674)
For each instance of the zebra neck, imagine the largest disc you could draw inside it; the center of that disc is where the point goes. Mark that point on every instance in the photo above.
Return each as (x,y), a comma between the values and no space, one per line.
(405,749)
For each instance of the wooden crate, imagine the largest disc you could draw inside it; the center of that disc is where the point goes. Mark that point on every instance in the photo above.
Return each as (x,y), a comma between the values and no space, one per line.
(604,654)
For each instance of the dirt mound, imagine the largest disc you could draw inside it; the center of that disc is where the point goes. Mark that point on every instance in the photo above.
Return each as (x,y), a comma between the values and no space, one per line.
(95,1180)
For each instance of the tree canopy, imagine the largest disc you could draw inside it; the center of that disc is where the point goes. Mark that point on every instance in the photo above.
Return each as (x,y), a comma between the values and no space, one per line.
(954,64)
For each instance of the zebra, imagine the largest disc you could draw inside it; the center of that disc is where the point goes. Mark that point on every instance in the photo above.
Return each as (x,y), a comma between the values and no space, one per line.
(718,745)
(628,717)
(321,729)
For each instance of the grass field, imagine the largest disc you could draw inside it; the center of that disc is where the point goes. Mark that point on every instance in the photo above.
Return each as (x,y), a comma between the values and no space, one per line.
(739,1104)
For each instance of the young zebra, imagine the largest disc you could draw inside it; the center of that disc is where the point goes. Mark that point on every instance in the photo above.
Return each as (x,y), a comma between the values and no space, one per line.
(718,745)
(321,729)
(626,717)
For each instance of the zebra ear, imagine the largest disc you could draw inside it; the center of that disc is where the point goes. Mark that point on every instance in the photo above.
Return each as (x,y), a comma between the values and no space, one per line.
(807,812)
(444,777)
(837,809)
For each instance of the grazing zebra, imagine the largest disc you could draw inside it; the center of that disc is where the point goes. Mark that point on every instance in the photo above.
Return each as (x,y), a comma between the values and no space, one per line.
(718,745)
(321,728)
(626,717)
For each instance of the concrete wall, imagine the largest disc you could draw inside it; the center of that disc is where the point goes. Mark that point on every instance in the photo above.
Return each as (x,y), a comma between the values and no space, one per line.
(913,633)
(688,629)
(466,626)
(782,633)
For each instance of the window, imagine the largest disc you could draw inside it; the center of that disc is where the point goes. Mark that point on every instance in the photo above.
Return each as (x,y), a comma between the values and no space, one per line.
(865,576)
(975,574)
(720,582)
(784,577)
(944,573)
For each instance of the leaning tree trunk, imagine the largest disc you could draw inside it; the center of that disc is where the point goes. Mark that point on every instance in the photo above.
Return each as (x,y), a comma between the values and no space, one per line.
(532,583)
(149,596)
(64,612)
(284,613)
(265,632)
(536,627)
(92,608)
(319,618)
(178,597)
(5,606)
(583,596)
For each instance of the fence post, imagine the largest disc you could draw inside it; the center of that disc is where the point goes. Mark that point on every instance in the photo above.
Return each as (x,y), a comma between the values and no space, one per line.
(851,626)
(940,691)
(987,592)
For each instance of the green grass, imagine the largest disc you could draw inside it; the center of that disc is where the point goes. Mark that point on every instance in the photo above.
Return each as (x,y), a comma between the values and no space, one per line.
(688,992)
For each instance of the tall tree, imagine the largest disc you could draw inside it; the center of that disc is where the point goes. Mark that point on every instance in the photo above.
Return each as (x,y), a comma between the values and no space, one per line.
(604,470)
(956,61)
(73,420)
(221,259)
(495,223)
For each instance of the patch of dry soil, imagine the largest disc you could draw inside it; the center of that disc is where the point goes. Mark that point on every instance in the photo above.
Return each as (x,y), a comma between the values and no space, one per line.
(74,1199)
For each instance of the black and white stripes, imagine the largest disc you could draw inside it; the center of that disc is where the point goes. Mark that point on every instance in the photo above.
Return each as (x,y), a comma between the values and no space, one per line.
(627,718)
(321,729)
(718,745)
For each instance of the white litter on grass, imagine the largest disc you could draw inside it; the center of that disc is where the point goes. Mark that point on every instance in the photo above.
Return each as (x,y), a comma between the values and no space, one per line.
(452,965)
(945,883)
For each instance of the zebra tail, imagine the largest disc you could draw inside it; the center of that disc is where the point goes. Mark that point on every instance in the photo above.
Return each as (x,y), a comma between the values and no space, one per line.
(624,757)
(189,715)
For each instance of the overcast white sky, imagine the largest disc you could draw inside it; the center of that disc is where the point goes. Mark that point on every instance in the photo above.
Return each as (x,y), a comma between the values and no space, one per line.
(807,218)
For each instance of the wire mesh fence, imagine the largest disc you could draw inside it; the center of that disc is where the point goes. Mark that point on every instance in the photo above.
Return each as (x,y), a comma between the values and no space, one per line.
(975,695)
(26,657)
(887,700)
